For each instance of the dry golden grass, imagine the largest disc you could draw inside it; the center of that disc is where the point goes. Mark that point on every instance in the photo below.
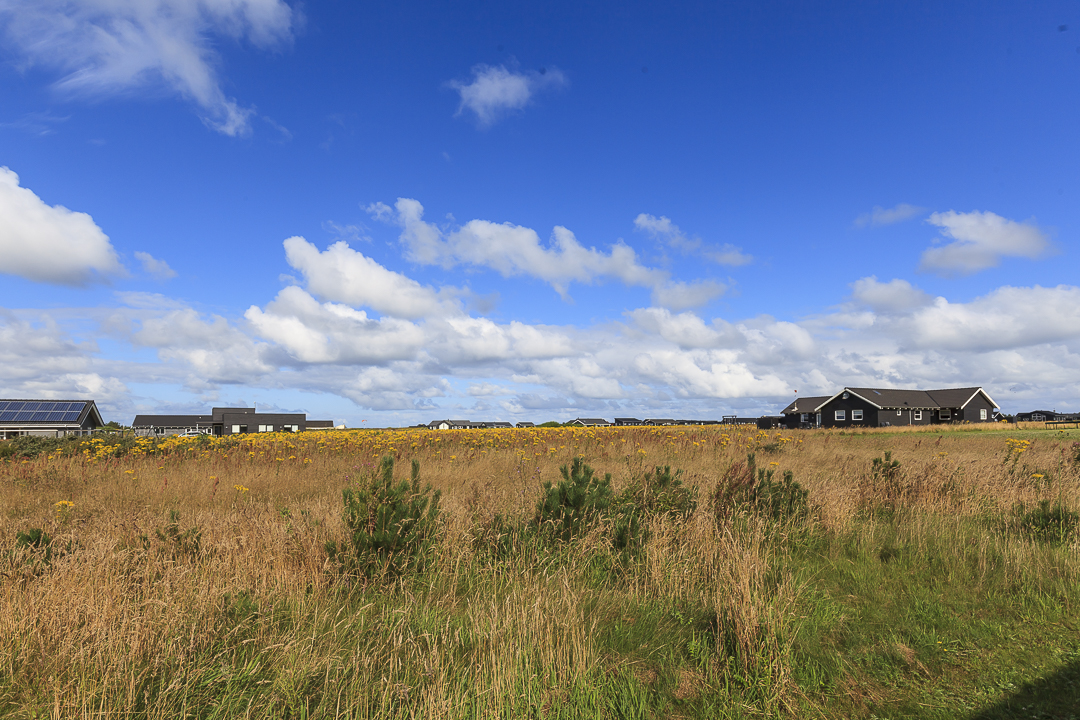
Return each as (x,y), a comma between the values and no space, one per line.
(132,619)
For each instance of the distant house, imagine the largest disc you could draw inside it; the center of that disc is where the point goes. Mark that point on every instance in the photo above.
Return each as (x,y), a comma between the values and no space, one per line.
(225,421)
(498,424)
(526,424)
(660,421)
(622,422)
(590,422)
(48,418)
(881,407)
(455,425)
(1047,416)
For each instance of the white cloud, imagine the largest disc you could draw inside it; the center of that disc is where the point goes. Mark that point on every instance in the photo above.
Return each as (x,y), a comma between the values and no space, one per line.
(158,269)
(682,295)
(495,91)
(50,243)
(515,250)
(883,216)
(342,274)
(662,229)
(979,241)
(894,296)
(1006,319)
(108,46)
(486,390)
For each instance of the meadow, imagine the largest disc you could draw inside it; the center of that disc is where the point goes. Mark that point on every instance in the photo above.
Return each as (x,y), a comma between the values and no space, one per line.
(925,573)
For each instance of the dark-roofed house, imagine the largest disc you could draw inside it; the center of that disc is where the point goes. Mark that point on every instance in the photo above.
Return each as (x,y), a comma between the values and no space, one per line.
(526,424)
(621,422)
(590,422)
(882,407)
(48,418)
(803,412)
(224,421)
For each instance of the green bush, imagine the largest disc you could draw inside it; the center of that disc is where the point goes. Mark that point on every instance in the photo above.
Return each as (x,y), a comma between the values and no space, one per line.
(660,493)
(738,491)
(571,508)
(391,526)
(29,446)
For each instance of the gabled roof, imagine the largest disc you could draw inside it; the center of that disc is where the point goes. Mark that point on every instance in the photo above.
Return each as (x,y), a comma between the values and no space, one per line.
(50,412)
(882,398)
(805,405)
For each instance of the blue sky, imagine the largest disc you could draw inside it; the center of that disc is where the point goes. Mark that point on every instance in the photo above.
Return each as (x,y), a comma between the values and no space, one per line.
(390,213)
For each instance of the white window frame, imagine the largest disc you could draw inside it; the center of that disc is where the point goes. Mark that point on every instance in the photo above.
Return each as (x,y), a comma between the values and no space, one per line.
(804,417)
(899,413)
(918,414)
(236,429)
(262,428)
(982,413)
(856,415)
(840,415)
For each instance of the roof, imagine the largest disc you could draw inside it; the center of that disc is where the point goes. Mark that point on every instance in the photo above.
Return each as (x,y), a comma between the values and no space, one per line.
(805,405)
(171,420)
(50,412)
(915,399)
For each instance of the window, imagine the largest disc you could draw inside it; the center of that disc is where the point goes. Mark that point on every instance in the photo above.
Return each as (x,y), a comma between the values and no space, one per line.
(899,413)
(856,415)
(945,414)
(918,414)
(982,414)
(236,428)
(804,417)
(840,415)
(266,428)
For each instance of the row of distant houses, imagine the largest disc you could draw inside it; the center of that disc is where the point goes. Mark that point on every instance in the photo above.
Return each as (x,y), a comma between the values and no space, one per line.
(862,407)
(582,422)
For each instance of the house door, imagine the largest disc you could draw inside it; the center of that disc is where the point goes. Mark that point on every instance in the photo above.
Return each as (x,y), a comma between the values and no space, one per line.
(817,420)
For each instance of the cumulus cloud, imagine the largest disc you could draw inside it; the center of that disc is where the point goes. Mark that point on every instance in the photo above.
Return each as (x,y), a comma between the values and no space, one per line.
(109,46)
(883,216)
(344,275)
(515,250)
(157,269)
(495,91)
(683,295)
(979,241)
(894,296)
(662,229)
(50,244)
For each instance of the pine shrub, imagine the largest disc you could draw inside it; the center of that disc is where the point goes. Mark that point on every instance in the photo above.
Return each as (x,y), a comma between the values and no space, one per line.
(390,526)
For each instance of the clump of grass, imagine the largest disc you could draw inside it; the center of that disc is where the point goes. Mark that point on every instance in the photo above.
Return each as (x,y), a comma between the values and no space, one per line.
(1046,523)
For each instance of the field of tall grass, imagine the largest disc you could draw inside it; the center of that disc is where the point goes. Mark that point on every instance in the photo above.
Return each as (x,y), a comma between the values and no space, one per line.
(879,573)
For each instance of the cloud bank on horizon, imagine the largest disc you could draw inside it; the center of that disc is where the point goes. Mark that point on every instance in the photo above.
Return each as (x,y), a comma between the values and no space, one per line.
(668,235)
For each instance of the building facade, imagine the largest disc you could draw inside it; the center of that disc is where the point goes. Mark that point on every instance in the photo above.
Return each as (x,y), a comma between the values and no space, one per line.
(884,407)
(225,421)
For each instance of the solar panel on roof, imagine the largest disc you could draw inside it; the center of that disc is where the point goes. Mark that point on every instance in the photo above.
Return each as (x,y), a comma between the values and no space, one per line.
(54,416)
(7,416)
(3,405)
(15,406)
(22,416)
(71,416)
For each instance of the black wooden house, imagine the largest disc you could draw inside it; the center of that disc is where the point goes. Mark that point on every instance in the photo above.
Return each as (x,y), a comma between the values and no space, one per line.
(883,407)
